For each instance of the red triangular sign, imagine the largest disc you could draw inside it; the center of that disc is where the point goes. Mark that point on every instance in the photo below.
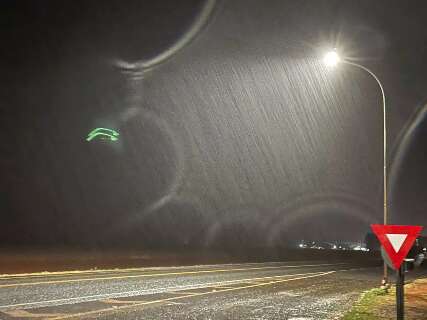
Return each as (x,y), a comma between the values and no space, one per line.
(396,240)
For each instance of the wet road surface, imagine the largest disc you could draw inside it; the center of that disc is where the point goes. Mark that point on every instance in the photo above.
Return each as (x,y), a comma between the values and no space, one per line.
(300,290)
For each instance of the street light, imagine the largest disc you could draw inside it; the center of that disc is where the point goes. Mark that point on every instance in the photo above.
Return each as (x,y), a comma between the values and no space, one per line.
(331,59)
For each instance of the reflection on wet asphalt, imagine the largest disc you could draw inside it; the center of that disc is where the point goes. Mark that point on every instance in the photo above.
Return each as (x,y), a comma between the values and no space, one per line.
(304,290)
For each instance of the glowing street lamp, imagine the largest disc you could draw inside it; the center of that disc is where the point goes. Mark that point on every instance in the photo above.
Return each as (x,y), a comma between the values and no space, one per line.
(331,59)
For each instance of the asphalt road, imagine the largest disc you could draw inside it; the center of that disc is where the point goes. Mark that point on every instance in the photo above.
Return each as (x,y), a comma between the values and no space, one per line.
(303,290)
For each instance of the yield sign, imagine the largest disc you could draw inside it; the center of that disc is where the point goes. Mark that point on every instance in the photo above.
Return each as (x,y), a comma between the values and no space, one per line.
(396,240)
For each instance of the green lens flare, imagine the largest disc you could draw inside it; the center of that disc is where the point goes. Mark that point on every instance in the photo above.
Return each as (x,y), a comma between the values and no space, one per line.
(103,134)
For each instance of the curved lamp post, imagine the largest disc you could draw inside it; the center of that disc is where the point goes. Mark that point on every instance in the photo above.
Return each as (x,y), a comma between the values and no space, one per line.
(331,59)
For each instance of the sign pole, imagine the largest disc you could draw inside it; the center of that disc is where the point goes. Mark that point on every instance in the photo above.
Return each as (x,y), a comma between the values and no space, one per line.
(396,241)
(400,282)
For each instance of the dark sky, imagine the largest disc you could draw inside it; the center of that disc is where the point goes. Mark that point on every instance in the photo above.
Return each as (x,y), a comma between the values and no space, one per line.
(232,132)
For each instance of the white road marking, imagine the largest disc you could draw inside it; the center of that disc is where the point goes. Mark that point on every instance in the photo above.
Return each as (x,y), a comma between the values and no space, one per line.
(145,269)
(150,275)
(73,300)
(82,314)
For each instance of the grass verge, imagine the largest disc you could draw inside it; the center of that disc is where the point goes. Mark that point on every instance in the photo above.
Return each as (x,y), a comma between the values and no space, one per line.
(379,304)
(365,307)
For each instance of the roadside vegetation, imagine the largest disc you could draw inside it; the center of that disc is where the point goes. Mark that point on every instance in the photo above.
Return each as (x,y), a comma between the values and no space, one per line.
(379,304)
(366,307)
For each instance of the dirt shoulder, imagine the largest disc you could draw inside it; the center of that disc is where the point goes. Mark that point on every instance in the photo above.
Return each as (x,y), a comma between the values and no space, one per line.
(379,304)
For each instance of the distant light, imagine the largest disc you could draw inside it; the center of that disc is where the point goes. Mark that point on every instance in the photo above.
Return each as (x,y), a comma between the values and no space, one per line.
(331,59)
(334,247)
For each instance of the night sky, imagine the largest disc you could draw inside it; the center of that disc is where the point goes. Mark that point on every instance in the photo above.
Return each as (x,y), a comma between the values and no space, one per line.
(232,132)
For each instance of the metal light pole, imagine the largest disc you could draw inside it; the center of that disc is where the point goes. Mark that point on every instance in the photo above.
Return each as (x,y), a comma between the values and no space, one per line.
(331,59)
